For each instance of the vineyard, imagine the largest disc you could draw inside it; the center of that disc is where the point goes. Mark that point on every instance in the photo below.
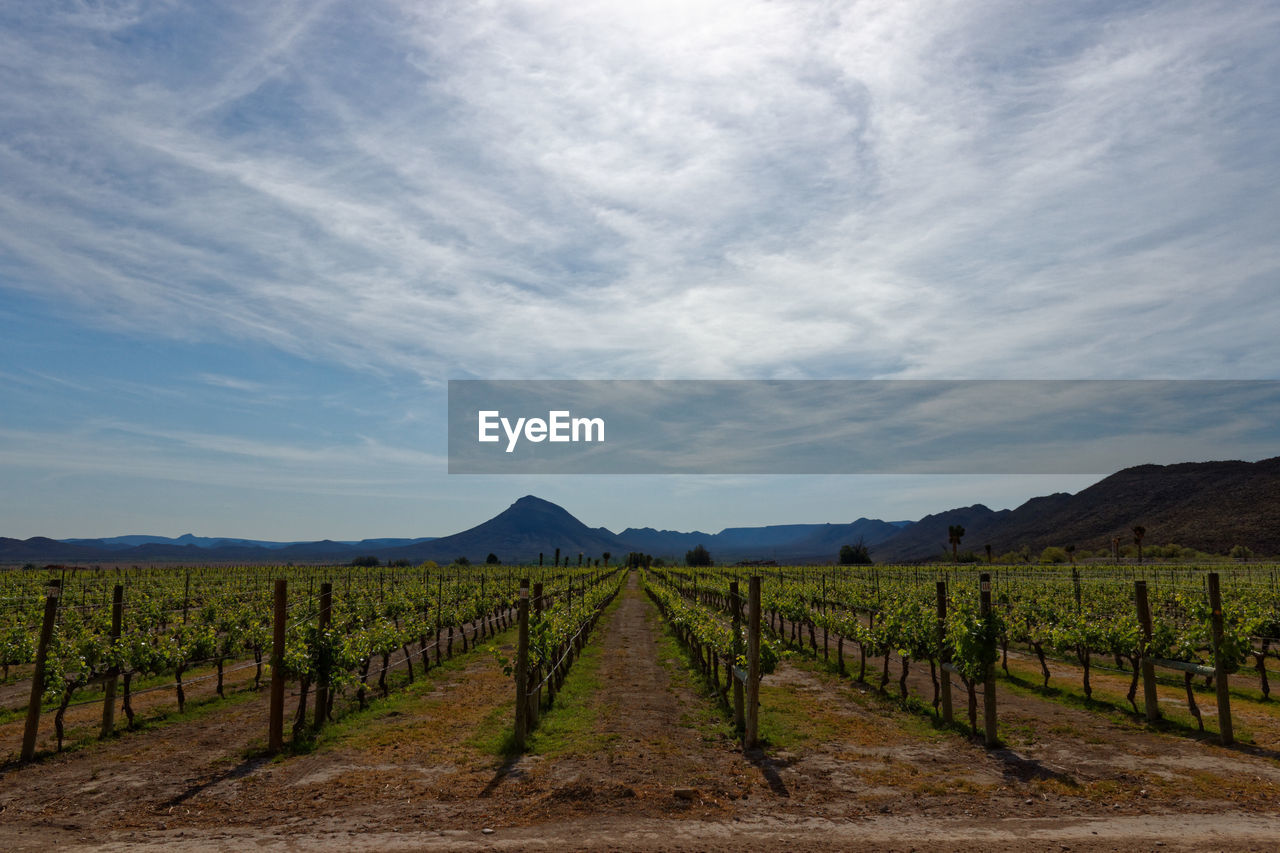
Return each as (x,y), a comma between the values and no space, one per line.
(527,695)
(964,623)
(77,638)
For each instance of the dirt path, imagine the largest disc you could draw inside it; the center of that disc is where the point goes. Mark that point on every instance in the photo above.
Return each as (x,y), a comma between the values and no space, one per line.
(651,732)
(764,834)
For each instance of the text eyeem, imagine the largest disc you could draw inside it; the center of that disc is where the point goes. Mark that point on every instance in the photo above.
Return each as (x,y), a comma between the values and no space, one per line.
(558,426)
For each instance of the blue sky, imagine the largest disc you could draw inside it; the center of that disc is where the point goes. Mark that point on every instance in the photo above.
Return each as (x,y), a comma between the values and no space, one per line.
(243,246)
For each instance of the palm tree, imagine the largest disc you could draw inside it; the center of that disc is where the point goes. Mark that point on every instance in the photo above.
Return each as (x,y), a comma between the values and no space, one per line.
(954,534)
(1138,532)
(606,556)
(1071,553)
(988,547)
(1115,548)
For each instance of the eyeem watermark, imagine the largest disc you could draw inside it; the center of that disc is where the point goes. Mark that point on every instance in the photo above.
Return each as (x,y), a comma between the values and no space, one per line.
(850,426)
(559,426)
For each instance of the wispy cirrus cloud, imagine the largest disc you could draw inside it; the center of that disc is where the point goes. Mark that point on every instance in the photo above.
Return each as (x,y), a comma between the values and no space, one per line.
(366,468)
(232,383)
(706,189)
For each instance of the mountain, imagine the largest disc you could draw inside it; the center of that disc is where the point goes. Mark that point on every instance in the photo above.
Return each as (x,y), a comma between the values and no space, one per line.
(928,537)
(42,549)
(1209,506)
(528,527)
(824,541)
(118,543)
(782,542)
(162,549)
(664,543)
(388,543)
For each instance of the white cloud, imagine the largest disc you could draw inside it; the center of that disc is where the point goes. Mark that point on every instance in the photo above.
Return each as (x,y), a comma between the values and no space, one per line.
(658,189)
(366,469)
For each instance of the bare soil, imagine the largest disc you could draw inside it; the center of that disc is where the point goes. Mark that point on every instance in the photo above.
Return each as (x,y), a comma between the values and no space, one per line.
(646,761)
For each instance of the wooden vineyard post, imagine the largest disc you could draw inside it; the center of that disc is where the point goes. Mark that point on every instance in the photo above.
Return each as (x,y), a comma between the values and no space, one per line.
(989,672)
(322,674)
(1219,664)
(275,722)
(752,734)
(113,674)
(825,654)
(439,609)
(533,695)
(1149,698)
(943,653)
(426,621)
(37,677)
(537,614)
(426,618)
(522,667)
(735,604)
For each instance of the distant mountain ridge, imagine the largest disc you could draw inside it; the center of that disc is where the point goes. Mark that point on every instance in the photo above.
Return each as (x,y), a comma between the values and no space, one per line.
(1210,506)
(775,541)
(133,541)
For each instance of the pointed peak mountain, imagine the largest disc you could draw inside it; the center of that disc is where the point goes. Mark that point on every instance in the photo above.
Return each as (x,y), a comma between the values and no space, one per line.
(533,507)
(535,502)
(529,527)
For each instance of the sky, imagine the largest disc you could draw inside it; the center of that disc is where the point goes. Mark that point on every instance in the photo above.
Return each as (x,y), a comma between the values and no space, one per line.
(244,246)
